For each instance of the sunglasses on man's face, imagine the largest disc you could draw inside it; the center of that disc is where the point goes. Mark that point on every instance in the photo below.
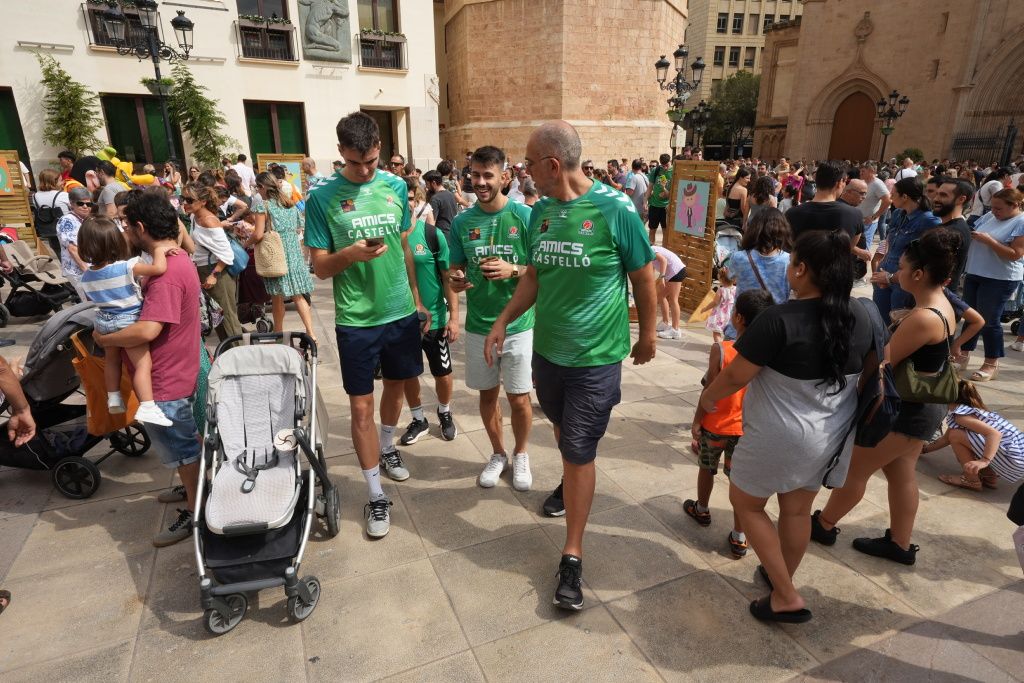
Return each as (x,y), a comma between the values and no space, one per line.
(89,204)
(588,168)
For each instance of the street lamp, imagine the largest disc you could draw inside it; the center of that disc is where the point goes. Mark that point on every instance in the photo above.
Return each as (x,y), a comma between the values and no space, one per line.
(679,86)
(151,47)
(890,110)
(699,118)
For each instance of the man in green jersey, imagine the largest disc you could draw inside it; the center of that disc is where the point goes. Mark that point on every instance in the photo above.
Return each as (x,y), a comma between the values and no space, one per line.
(585,240)
(355,225)
(430,252)
(657,196)
(489,243)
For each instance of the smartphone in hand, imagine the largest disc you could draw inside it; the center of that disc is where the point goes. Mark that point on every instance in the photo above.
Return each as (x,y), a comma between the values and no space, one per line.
(374,241)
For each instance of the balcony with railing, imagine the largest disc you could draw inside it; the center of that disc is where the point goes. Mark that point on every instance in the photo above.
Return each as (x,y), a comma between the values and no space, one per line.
(748,63)
(382,51)
(266,41)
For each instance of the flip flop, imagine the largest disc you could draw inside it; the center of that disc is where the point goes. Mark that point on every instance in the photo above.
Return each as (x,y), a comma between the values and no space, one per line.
(5,596)
(960,481)
(762,609)
(763,573)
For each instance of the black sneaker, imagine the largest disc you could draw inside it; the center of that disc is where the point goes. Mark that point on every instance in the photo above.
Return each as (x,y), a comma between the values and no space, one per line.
(179,530)
(448,429)
(414,431)
(886,548)
(391,463)
(554,506)
(820,534)
(569,594)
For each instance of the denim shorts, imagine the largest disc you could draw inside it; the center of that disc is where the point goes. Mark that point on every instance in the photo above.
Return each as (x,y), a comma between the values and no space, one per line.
(107,323)
(177,445)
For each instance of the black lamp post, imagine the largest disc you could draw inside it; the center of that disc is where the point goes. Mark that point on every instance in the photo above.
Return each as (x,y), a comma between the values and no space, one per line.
(151,47)
(699,118)
(889,110)
(681,88)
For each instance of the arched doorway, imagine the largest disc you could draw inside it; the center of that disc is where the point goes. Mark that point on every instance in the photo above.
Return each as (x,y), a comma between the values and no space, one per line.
(852,127)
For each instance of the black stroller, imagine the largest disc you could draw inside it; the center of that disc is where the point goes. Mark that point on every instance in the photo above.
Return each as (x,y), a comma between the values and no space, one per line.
(262,425)
(62,439)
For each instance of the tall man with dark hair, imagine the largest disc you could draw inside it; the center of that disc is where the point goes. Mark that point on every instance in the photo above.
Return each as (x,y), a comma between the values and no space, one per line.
(951,198)
(169,323)
(442,201)
(585,240)
(355,225)
(659,183)
(107,178)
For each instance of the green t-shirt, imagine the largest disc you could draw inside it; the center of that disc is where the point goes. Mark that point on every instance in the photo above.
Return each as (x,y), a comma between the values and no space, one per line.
(660,178)
(339,213)
(582,250)
(477,234)
(427,276)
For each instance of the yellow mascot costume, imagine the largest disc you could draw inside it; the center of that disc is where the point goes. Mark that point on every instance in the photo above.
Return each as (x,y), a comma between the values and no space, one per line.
(125,168)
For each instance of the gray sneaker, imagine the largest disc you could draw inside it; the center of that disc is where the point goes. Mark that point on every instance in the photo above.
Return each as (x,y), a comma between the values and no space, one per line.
(173,495)
(179,530)
(378,517)
(391,463)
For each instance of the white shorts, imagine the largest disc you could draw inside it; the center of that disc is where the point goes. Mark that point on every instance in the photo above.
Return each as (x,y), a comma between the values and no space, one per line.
(513,368)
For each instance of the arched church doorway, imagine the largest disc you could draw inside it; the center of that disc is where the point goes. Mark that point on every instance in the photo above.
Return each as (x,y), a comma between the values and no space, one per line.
(852,128)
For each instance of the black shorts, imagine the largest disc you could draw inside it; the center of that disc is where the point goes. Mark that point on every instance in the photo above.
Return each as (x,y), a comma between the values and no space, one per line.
(919,420)
(680,276)
(579,401)
(439,356)
(657,215)
(393,345)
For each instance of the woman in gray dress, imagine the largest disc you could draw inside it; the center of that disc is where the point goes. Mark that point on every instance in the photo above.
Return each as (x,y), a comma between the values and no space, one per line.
(277,212)
(802,360)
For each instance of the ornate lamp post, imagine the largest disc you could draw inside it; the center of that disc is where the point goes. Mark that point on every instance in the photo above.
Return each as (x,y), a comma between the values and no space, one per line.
(890,110)
(680,87)
(151,47)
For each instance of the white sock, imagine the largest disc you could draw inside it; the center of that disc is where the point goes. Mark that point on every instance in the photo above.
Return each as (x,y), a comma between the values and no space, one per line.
(739,536)
(417,413)
(114,397)
(702,508)
(387,438)
(443,408)
(372,477)
(145,404)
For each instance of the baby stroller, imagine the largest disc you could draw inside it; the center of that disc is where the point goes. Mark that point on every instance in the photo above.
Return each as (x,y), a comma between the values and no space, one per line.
(62,438)
(252,529)
(253,297)
(37,285)
(727,241)
(1014,310)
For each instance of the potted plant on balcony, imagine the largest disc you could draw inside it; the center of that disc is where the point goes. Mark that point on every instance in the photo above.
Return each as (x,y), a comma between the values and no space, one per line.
(382,36)
(165,86)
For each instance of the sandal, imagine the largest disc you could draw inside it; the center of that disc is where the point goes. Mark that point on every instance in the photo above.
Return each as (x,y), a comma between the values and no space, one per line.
(702,518)
(980,375)
(762,609)
(960,481)
(5,600)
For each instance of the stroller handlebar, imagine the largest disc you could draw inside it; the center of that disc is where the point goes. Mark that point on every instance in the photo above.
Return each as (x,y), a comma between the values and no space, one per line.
(298,340)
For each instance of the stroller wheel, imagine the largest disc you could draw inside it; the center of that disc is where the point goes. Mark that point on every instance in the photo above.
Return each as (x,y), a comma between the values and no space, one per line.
(75,477)
(131,441)
(298,609)
(215,622)
(332,511)
(5,316)
(1015,326)
(263,326)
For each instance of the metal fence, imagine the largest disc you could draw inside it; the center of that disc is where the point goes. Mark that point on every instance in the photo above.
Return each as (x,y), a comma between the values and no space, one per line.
(382,52)
(986,147)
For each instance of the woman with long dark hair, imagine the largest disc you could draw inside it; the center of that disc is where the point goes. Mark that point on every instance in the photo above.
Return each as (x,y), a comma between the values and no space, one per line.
(801,360)
(911,217)
(761,197)
(736,198)
(923,336)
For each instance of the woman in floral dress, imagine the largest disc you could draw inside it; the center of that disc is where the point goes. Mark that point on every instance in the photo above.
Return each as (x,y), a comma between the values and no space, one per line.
(283,219)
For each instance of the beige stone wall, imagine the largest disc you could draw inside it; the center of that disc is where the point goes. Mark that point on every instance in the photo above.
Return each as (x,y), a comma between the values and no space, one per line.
(589,62)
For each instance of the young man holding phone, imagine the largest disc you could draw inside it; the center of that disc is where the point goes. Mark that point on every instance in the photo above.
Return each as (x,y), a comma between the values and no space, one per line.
(355,230)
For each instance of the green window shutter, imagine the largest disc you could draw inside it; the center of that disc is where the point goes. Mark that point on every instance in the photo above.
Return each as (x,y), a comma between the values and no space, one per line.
(123,127)
(292,128)
(11,135)
(261,133)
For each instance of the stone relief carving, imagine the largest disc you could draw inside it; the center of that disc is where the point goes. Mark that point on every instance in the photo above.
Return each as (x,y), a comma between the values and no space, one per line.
(864,28)
(325,30)
(434,88)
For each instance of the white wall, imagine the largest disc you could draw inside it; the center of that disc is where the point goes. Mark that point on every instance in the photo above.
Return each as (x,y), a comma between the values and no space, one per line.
(328,90)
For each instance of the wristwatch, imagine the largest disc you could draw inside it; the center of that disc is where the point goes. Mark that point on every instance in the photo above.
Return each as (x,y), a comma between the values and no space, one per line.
(515,270)
(892,278)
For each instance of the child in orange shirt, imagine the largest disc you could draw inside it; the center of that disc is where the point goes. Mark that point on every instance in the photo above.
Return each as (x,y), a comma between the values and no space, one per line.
(717,433)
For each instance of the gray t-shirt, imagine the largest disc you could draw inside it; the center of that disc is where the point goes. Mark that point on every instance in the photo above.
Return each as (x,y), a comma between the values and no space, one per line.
(107,195)
(873,199)
(638,183)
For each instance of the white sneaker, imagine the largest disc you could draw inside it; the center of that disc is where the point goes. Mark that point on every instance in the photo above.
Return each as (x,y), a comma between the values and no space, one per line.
(522,478)
(662,326)
(492,472)
(115,404)
(1017,345)
(670,333)
(151,414)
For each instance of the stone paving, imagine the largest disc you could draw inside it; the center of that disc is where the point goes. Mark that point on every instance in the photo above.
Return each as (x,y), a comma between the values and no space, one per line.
(461,588)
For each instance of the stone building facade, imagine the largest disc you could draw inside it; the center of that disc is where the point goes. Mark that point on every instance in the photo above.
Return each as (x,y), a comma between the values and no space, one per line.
(958,62)
(512,64)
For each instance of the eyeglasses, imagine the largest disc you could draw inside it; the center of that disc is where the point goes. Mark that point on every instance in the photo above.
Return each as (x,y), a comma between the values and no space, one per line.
(397,163)
(89,204)
(188,200)
(588,168)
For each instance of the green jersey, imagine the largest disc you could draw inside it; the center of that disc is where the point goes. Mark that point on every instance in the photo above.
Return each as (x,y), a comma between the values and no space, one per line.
(661,180)
(428,274)
(476,234)
(340,213)
(582,250)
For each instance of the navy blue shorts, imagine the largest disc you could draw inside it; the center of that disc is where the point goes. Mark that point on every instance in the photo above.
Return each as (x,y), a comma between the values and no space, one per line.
(395,345)
(579,401)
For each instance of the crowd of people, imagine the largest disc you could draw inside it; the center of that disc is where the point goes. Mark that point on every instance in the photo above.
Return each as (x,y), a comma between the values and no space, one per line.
(546,255)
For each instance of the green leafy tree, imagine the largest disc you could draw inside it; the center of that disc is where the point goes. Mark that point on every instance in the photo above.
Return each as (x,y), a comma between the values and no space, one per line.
(72,111)
(197,114)
(734,109)
(912,152)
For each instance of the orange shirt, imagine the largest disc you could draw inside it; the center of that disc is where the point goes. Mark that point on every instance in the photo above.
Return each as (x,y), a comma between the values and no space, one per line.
(727,420)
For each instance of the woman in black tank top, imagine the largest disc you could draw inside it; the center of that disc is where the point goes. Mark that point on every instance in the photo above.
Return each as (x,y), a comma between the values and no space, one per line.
(923,336)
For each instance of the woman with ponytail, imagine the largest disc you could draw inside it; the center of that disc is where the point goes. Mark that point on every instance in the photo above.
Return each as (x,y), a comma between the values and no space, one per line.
(923,336)
(801,360)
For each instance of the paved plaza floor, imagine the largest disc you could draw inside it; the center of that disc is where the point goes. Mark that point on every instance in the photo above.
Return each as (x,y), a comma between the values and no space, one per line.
(460,590)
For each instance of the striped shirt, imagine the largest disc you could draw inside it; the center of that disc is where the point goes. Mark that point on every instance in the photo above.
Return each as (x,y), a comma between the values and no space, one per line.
(1008,462)
(113,288)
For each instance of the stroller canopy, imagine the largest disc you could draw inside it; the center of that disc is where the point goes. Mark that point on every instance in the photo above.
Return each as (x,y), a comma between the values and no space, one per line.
(48,371)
